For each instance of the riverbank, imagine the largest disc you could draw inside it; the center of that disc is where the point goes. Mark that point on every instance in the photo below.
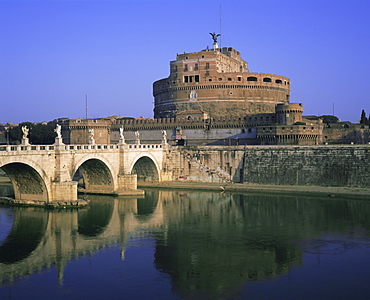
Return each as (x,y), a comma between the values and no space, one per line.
(311,191)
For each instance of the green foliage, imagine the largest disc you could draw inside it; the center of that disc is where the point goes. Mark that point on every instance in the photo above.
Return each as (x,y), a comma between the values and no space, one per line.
(363,119)
(15,133)
(43,134)
(39,134)
(329,119)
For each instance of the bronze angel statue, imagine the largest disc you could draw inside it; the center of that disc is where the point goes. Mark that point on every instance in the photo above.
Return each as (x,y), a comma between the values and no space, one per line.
(215,36)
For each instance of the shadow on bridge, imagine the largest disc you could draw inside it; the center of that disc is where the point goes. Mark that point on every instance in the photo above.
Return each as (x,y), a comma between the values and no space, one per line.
(96,176)
(146,170)
(27,182)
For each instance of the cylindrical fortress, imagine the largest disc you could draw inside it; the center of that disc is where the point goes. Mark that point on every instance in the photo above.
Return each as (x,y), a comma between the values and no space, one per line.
(218,82)
(288,114)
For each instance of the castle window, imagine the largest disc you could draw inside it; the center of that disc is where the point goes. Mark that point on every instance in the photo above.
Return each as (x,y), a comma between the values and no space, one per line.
(207,65)
(196,67)
(185,68)
(207,73)
(266,79)
(186,79)
(229,79)
(196,77)
(278,81)
(252,78)
(220,79)
(239,79)
(210,79)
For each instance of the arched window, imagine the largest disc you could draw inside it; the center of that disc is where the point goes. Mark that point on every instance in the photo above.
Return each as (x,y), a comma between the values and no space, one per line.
(266,79)
(252,78)
(278,81)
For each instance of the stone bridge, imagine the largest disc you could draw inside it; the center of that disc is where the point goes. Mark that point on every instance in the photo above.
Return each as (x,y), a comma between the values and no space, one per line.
(45,173)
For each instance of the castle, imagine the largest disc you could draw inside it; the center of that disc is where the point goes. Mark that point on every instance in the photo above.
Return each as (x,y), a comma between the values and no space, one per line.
(211,98)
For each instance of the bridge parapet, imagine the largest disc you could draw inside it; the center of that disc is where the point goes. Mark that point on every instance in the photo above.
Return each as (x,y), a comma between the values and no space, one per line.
(88,147)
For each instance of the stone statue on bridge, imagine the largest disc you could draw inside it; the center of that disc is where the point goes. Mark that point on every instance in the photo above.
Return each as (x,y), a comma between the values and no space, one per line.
(58,138)
(137,136)
(91,137)
(58,131)
(121,136)
(164,136)
(25,131)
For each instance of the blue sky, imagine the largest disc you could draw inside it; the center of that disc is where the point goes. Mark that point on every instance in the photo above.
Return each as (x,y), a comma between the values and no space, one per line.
(53,53)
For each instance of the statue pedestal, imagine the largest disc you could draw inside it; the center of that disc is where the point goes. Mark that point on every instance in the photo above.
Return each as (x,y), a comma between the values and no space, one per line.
(121,142)
(58,141)
(91,142)
(25,142)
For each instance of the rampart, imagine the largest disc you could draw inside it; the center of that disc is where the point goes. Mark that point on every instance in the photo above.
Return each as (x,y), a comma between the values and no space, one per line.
(334,165)
(344,165)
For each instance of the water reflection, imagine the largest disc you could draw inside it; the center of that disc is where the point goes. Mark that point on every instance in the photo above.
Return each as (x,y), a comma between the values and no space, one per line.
(210,245)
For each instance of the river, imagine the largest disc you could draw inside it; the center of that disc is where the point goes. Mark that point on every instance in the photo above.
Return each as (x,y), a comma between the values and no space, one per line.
(188,245)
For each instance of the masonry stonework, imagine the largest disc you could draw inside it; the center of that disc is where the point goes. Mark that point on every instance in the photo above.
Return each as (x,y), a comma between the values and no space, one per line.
(218,82)
(312,165)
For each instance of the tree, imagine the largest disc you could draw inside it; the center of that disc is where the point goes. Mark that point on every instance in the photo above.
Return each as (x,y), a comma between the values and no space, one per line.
(329,119)
(15,133)
(39,134)
(363,119)
(43,134)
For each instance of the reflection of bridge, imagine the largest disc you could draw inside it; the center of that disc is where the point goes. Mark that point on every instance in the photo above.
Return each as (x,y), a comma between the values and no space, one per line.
(40,239)
(45,173)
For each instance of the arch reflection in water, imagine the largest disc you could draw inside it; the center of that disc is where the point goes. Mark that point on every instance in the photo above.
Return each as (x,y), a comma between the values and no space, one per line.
(28,229)
(208,245)
(93,220)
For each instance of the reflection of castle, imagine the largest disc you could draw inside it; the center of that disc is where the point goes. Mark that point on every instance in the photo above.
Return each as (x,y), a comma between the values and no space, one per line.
(211,97)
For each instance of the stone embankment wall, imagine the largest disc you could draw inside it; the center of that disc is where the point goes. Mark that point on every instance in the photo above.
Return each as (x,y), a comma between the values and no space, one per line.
(345,165)
(327,165)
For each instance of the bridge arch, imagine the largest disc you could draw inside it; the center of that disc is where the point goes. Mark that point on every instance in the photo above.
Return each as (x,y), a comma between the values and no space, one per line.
(97,173)
(28,181)
(146,168)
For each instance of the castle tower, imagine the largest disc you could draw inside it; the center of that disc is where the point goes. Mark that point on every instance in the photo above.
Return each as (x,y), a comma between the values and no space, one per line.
(288,114)
(218,82)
